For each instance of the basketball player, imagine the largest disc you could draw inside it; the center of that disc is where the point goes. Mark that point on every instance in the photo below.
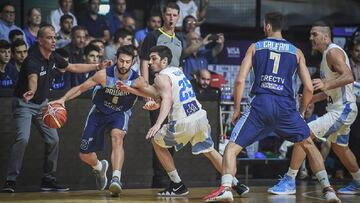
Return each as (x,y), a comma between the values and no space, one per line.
(111,107)
(336,86)
(273,108)
(187,120)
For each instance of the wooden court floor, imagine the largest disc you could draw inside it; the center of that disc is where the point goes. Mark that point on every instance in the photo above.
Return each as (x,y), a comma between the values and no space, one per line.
(257,195)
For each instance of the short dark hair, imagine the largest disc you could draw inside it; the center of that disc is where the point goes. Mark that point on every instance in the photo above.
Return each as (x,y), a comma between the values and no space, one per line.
(14,33)
(163,51)
(275,19)
(89,48)
(17,43)
(65,17)
(42,29)
(4,44)
(96,40)
(127,50)
(121,33)
(325,26)
(75,29)
(62,52)
(171,5)
(154,14)
(2,6)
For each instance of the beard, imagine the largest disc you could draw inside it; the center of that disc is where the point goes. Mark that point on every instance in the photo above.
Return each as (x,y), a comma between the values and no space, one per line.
(123,71)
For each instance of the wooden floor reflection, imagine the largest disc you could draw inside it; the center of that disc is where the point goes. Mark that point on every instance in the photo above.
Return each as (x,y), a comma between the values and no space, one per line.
(257,195)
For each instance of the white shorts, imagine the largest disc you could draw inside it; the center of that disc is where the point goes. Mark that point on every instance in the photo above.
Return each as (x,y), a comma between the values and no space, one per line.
(335,124)
(194,129)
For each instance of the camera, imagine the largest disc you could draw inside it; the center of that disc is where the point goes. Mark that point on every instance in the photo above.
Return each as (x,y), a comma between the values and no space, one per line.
(213,37)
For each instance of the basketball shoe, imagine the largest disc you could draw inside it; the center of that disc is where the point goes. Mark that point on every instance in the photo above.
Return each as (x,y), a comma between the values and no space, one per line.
(174,190)
(351,189)
(241,189)
(222,194)
(115,187)
(101,179)
(330,195)
(286,186)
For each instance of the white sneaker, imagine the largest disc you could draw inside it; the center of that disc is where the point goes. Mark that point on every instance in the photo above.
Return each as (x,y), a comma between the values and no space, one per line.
(330,195)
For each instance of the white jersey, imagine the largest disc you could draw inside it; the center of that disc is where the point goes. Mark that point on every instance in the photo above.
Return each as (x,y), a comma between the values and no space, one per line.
(184,99)
(340,96)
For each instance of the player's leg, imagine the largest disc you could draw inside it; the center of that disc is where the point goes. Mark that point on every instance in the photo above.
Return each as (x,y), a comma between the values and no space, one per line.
(117,159)
(348,159)
(93,140)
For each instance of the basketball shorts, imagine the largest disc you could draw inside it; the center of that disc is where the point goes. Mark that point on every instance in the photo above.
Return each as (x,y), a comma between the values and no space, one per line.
(334,126)
(268,114)
(93,135)
(194,129)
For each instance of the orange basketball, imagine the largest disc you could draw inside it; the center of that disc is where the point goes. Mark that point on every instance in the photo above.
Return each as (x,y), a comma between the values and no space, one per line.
(55,116)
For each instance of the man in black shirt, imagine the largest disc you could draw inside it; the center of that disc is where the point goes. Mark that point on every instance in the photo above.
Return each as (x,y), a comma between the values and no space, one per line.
(31,92)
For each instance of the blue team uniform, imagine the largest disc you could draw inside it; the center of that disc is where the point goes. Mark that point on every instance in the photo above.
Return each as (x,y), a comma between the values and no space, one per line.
(112,108)
(273,106)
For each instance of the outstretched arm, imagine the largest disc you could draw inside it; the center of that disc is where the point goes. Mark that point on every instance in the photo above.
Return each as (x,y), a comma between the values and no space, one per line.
(163,85)
(306,80)
(140,87)
(98,78)
(240,81)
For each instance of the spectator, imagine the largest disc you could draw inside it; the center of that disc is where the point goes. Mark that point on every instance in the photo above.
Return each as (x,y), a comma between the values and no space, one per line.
(7,20)
(189,7)
(122,37)
(101,45)
(116,15)
(33,25)
(167,36)
(153,23)
(8,74)
(76,53)
(201,84)
(63,37)
(94,22)
(15,35)
(19,52)
(31,93)
(107,36)
(129,23)
(61,81)
(199,55)
(55,15)
(91,56)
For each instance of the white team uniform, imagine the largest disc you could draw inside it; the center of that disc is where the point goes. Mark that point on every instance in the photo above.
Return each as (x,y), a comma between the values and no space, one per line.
(341,108)
(187,122)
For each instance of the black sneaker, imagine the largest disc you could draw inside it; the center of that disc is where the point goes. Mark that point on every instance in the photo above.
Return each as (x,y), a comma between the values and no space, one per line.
(9,186)
(52,185)
(241,189)
(174,190)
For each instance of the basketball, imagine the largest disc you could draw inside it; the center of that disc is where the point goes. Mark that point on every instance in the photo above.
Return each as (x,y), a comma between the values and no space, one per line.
(55,116)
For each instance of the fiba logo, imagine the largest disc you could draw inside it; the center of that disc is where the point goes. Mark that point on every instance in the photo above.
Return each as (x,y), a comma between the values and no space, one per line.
(233,52)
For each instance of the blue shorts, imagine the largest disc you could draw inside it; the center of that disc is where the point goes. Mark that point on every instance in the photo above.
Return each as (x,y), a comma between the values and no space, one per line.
(267,114)
(93,136)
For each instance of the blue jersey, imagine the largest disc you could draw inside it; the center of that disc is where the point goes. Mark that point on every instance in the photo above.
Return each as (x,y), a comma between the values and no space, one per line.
(274,65)
(108,99)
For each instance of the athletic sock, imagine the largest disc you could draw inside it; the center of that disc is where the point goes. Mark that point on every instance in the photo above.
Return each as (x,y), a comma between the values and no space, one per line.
(292,173)
(356,176)
(227,180)
(174,176)
(235,181)
(98,166)
(322,177)
(117,173)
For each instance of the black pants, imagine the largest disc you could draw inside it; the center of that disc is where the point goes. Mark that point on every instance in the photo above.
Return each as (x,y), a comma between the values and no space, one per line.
(160,178)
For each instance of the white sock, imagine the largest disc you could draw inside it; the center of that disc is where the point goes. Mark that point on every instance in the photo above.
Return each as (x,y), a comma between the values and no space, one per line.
(235,181)
(356,176)
(98,166)
(117,173)
(322,177)
(226,180)
(292,173)
(174,176)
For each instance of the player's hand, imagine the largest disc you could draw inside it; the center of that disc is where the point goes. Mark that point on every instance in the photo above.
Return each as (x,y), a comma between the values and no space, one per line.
(27,96)
(105,64)
(60,101)
(319,84)
(122,86)
(152,131)
(235,117)
(151,105)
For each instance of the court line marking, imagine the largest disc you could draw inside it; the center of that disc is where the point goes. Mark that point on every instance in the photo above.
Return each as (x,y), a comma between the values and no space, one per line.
(305,194)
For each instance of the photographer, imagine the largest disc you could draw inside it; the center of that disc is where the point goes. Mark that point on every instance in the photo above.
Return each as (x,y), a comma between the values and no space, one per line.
(198,54)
